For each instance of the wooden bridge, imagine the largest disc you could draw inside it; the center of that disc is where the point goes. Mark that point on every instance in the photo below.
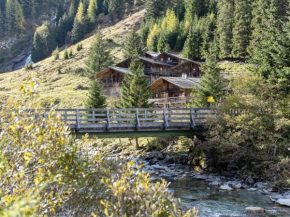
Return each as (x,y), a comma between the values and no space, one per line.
(136,122)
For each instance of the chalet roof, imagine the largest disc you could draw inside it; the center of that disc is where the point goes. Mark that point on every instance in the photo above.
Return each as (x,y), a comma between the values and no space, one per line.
(185,83)
(177,66)
(154,61)
(121,70)
(180,57)
(153,54)
(115,68)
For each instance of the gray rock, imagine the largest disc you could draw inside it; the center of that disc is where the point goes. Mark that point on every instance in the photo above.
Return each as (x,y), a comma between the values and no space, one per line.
(276,197)
(157,167)
(201,177)
(254,210)
(226,187)
(259,185)
(250,180)
(253,189)
(284,202)
(214,183)
(237,185)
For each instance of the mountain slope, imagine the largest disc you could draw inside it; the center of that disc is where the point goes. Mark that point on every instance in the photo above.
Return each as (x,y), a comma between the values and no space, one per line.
(68,88)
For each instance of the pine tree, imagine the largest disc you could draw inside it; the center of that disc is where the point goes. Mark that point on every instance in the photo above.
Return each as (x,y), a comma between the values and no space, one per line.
(133,44)
(163,43)
(43,42)
(80,13)
(117,8)
(91,13)
(60,12)
(192,45)
(211,83)
(194,8)
(154,9)
(99,56)
(2,23)
(208,34)
(14,16)
(96,99)
(77,32)
(265,27)
(134,90)
(242,28)
(152,39)
(225,27)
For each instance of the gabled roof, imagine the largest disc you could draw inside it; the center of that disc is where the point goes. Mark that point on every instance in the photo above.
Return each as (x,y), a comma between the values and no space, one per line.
(115,68)
(153,54)
(185,83)
(180,57)
(177,66)
(155,61)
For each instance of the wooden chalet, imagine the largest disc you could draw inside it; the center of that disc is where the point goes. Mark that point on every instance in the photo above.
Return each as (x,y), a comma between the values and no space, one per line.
(172,91)
(112,78)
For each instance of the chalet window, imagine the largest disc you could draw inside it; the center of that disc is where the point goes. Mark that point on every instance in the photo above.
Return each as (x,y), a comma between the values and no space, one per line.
(156,95)
(168,58)
(162,59)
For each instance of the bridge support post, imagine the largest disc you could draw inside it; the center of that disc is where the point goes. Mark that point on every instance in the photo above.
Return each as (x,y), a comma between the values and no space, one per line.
(192,122)
(165,121)
(77,119)
(108,120)
(137,120)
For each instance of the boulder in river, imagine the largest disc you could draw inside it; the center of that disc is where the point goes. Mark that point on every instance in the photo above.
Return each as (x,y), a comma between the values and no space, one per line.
(284,202)
(226,187)
(255,210)
(201,177)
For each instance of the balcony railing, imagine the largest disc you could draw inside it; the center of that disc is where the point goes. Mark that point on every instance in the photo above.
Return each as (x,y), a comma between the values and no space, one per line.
(112,84)
(169,100)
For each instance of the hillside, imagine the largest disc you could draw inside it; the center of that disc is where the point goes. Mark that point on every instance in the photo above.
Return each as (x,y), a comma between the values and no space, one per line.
(68,88)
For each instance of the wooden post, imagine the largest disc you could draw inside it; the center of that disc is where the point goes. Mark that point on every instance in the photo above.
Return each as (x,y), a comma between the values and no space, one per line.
(65,116)
(93,117)
(137,143)
(137,120)
(108,119)
(77,119)
(165,124)
(192,122)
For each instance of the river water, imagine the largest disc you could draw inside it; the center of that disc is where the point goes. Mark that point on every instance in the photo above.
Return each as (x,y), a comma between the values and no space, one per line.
(210,202)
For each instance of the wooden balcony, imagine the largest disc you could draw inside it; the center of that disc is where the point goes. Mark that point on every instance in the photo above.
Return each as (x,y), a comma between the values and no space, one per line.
(170,100)
(112,84)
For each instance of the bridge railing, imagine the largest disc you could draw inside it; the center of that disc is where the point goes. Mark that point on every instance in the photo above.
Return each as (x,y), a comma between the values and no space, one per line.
(149,119)
(135,119)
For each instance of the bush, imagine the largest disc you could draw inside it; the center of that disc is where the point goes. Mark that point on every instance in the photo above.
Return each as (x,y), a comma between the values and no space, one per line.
(55,54)
(29,66)
(79,47)
(73,176)
(65,55)
(70,54)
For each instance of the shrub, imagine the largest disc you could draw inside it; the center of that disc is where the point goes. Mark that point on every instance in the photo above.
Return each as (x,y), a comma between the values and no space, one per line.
(73,176)
(70,54)
(79,47)
(29,66)
(65,54)
(55,54)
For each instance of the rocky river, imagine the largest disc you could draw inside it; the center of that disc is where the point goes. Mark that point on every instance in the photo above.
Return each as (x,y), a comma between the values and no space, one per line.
(217,196)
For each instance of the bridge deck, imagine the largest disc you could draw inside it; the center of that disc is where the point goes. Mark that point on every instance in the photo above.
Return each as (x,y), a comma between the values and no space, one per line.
(135,120)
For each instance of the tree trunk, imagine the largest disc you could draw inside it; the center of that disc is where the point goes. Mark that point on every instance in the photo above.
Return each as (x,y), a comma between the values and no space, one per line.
(137,143)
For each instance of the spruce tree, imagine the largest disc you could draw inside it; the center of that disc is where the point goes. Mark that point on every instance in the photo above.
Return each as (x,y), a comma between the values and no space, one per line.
(265,27)
(242,28)
(99,56)
(96,99)
(134,90)
(77,32)
(14,16)
(192,45)
(154,9)
(211,83)
(208,34)
(91,13)
(133,44)
(225,27)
